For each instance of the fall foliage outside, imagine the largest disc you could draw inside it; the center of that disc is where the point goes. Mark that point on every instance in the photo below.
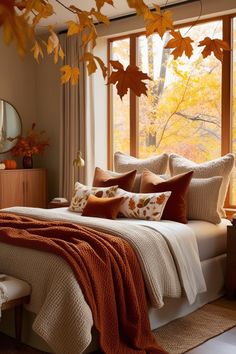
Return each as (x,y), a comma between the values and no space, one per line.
(182,111)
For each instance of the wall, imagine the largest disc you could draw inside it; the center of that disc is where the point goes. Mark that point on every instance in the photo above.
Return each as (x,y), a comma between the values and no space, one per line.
(18,84)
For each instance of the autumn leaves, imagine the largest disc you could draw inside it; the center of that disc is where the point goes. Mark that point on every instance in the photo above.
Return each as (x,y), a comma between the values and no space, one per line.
(19,19)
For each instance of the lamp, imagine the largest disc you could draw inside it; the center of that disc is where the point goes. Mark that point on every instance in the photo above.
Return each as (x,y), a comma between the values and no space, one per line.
(79,161)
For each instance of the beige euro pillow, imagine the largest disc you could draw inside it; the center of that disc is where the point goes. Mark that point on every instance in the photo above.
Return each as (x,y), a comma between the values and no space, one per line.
(219,167)
(124,163)
(202,199)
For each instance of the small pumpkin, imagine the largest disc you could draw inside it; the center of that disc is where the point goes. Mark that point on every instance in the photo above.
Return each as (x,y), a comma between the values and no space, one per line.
(10,164)
(2,166)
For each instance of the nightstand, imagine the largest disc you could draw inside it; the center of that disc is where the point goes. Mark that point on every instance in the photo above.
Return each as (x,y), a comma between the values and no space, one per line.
(231,262)
(52,205)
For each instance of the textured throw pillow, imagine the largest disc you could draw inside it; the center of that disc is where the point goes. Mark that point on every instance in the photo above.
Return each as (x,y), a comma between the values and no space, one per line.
(108,178)
(106,208)
(202,199)
(176,208)
(218,167)
(147,206)
(125,163)
(82,192)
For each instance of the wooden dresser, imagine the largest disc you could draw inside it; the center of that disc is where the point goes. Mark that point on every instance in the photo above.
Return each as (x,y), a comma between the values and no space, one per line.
(231,262)
(23,187)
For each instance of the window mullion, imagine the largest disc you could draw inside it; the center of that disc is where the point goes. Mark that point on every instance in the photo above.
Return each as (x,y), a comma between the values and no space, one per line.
(133,104)
(226,94)
(226,89)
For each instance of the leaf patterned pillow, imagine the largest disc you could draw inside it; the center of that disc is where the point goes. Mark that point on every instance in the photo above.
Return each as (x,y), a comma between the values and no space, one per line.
(82,192)
(147,206)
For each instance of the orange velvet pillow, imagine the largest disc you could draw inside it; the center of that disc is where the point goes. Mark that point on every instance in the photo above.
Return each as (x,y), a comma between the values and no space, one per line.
(109,178)
(106,208)
(176,206)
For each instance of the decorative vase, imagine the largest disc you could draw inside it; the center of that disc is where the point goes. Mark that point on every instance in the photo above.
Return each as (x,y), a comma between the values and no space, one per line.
(28,161)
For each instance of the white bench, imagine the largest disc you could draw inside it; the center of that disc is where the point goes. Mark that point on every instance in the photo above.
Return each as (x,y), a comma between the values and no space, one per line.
(14,293)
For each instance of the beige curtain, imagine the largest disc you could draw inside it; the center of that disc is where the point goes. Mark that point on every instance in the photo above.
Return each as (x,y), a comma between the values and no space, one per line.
(76,122)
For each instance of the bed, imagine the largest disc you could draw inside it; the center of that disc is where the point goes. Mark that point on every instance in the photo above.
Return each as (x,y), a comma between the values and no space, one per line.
(55,291)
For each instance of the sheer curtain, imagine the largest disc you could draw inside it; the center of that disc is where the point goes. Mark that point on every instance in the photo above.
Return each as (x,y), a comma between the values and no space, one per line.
(76,122)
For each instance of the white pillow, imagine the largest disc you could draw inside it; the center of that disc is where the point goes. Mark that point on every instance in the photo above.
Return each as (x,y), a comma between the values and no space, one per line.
(147,206)
(82,192)
(202,199)
(124,163)
(218,167)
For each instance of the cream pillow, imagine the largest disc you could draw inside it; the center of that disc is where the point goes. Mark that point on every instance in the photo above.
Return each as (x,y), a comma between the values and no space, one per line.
(218,167)
(202,199)
(147,206)
(124,163)
(82,192)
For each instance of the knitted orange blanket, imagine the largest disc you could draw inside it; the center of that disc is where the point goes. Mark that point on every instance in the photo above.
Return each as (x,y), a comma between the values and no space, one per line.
(108,272)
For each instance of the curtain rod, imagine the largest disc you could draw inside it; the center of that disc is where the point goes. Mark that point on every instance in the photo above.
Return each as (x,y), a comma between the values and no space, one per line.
(168,6)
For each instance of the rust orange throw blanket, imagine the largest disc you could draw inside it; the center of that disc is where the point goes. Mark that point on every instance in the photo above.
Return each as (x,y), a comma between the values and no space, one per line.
(108,273)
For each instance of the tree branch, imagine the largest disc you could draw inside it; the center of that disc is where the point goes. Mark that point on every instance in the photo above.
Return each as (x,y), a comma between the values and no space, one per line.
(200,117)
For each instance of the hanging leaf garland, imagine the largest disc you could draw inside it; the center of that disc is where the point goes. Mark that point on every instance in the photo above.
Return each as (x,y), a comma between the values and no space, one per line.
(19,19)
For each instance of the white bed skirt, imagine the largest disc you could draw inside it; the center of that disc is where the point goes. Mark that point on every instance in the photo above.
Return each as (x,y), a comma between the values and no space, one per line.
(214,273)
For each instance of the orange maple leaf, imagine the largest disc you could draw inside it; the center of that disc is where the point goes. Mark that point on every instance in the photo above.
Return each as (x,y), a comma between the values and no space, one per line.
(181,44)
(215,46)
(69,74)
(100,3)
(130,78)
(140,7)
(159,22)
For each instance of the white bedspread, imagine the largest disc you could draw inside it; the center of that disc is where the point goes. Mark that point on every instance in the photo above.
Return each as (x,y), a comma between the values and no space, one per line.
(56,296)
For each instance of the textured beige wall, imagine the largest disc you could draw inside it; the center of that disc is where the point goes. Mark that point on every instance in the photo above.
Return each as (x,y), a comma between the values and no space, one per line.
(17,84)
(33,89)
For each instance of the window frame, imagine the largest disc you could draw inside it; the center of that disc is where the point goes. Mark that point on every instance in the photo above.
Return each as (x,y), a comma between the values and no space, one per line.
(226,90)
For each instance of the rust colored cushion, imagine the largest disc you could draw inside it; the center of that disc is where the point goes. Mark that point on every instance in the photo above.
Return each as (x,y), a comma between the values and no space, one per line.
(176,206)
(106,208)
(104,178)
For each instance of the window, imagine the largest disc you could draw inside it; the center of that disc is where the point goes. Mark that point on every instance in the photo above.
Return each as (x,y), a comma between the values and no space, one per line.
(185,107)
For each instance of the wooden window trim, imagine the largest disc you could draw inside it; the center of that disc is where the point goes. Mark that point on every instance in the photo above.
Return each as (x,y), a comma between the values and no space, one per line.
(226,92)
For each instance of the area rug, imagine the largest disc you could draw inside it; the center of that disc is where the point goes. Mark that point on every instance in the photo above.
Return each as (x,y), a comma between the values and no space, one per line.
(176,337)
(181,335)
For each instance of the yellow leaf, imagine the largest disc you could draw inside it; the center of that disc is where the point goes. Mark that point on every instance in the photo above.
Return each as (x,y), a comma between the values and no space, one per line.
(160,22)
(92,66)
(74,28)
(215,46)
(70,74)
(37,51)
(131,78)
(100,17)
(100,3)
(102,66)
(53,41)
(180,44)
(140,7)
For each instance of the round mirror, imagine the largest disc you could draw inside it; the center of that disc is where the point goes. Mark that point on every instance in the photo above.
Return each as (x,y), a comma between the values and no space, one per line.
(10,126)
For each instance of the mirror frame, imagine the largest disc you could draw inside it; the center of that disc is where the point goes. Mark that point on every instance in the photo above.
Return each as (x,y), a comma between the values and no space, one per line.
(4,152)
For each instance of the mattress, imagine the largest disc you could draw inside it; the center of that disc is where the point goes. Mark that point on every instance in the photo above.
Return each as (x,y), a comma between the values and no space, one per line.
(211,238)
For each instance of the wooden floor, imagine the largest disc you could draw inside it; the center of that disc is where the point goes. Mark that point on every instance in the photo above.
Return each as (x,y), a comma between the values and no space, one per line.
(222,344)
